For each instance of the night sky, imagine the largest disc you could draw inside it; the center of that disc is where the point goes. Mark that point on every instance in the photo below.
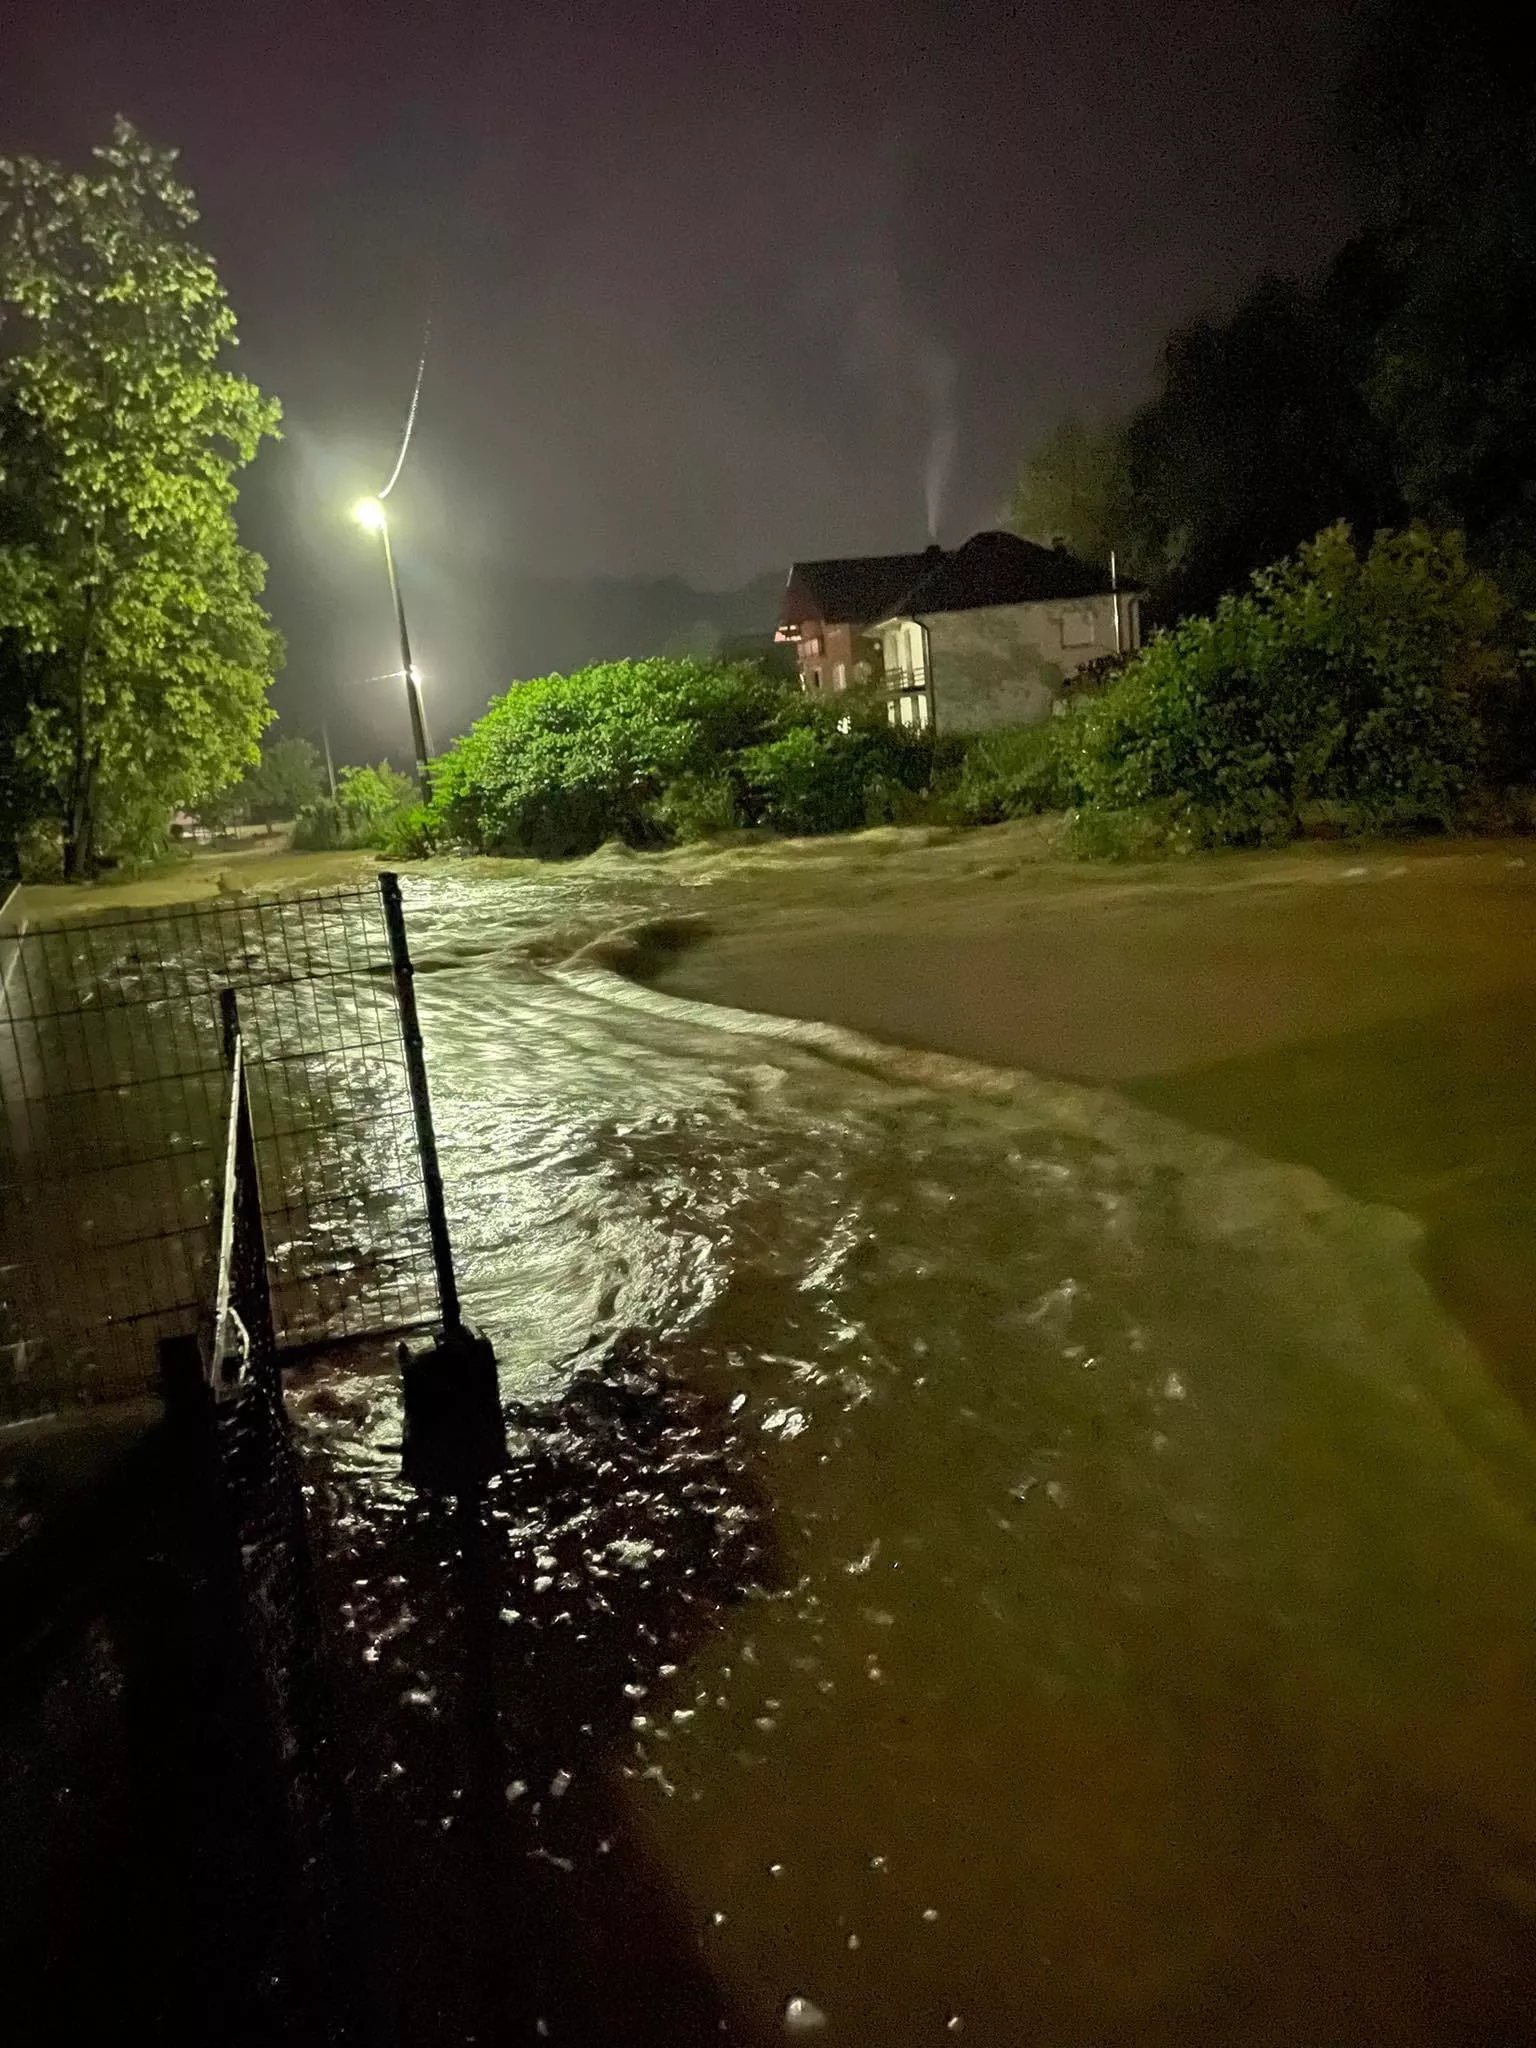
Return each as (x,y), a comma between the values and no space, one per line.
(711,286)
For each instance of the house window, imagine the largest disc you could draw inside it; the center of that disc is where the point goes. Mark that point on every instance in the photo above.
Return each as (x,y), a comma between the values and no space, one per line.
(1077,629)
(840,676)
(813,678)
(812,643)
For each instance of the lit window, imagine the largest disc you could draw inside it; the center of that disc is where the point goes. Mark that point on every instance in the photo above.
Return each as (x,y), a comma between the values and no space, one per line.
(840,676)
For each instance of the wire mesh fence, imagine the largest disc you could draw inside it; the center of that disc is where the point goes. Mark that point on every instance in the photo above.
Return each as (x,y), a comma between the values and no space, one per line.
(112,1094)
(231,1459)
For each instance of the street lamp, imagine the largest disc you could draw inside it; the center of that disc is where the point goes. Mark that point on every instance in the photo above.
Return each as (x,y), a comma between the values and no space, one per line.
(370,513)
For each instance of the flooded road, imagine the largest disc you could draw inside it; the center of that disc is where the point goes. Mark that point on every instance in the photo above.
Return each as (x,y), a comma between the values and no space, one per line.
(1036,1572)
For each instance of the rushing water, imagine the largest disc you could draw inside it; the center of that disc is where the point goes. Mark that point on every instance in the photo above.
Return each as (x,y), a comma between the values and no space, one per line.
(1030,1573)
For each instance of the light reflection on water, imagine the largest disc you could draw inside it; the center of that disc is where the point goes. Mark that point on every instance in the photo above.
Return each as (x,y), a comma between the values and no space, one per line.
(1051,1602)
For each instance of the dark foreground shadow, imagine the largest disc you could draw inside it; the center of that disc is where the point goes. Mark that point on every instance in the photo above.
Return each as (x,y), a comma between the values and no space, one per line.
(481,1657)
(150,1888)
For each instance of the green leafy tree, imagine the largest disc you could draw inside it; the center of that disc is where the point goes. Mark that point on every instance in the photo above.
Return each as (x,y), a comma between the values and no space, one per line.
(364,811)
(1441,115)
(130,610)
(1453,377)
(288,776)
(1259,437)
(1340,677)
(1074,487)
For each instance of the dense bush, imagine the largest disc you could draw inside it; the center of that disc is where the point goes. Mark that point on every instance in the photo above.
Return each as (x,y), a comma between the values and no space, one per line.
(830,772)
(653,752)
(365,811)
(560,764)
(1343,679)
(1016,772)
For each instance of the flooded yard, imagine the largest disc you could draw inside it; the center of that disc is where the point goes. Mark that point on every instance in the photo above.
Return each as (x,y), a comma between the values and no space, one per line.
(1021,1522)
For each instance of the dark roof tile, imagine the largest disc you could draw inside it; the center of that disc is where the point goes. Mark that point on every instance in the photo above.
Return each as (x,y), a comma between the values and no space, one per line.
(998,568)
(853,589)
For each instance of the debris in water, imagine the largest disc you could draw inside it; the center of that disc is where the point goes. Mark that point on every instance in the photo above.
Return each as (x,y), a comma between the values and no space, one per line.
(516,1791)
(1173,1388)
(802,2017)
(930,1914)
(559,1784)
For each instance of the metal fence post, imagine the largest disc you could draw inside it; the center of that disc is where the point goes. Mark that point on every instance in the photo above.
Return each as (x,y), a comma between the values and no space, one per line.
(421,1104)
(250,1279)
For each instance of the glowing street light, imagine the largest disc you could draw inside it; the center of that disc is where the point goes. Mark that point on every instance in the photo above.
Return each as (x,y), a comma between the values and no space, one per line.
(370,513)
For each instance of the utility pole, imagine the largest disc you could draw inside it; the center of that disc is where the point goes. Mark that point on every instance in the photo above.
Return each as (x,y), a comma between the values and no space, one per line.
(370,513)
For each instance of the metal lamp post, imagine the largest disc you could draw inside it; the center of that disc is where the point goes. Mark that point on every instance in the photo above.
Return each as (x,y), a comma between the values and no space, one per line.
(369,512)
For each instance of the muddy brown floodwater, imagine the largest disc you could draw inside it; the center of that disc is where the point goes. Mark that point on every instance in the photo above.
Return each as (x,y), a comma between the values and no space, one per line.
(989,1553)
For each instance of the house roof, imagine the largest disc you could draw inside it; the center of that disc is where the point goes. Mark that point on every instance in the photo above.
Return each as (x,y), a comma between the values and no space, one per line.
(998,568)
(851,589)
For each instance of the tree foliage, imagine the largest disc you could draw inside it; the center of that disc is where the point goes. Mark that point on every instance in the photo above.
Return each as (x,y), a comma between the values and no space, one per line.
(364,811)
(1260,434)
(137,652)
(1074,487)
(1441,114)
(655,751)
(1340,677)
(284,780)
(1401,385)
(560,764)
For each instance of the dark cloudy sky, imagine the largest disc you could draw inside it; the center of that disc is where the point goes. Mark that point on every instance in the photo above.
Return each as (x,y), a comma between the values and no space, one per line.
(711,285)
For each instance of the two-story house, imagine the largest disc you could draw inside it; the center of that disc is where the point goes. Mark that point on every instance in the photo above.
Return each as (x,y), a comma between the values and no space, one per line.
(986,634)
(828,606)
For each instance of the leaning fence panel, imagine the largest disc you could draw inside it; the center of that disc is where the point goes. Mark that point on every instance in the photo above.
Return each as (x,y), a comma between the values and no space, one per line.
(112,1080)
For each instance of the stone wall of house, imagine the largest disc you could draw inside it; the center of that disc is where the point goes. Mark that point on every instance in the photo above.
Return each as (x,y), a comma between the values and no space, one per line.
(1005,664)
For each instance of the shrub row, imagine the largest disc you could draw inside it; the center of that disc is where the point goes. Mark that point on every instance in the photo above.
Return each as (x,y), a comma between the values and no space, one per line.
(1385,686)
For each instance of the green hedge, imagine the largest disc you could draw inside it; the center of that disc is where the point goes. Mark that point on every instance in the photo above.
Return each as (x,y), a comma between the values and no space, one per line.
(1356,680)
(660,751)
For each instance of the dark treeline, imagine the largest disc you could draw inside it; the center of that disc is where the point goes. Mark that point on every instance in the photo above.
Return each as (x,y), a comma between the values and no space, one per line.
(1401,385)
